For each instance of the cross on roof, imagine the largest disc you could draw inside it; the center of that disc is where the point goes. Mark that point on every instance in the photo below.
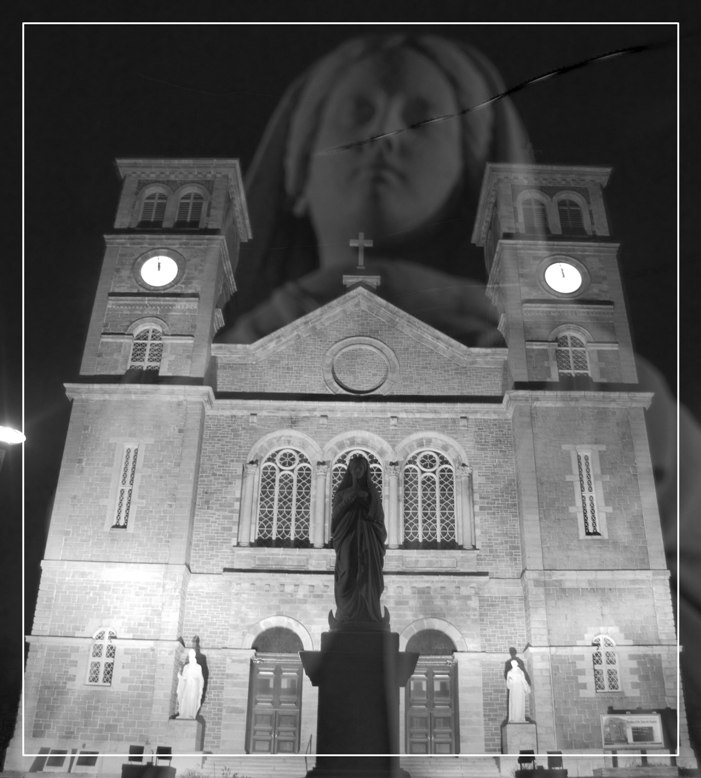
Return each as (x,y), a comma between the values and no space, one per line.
(361,243)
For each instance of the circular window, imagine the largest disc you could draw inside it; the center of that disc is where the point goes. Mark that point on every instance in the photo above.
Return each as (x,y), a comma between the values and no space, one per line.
(360,366)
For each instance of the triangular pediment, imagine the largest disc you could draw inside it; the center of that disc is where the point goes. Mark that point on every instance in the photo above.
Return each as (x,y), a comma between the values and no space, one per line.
(361,344)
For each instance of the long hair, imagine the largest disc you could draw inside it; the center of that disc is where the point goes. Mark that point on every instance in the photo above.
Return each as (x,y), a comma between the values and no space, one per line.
(284,244)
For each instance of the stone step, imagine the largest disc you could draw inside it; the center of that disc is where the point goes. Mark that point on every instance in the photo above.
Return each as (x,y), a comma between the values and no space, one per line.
(295,767)
(451,767)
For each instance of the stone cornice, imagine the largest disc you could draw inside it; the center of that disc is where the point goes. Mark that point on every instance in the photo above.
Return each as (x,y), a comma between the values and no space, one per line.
(598,399)
(529,174)
(162,392)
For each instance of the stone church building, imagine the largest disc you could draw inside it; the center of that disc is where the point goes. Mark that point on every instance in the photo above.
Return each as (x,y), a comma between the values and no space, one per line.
(193,504)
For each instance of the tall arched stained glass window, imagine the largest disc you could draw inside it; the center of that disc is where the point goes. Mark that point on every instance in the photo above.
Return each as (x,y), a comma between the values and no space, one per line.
(605,661)
(571,355)
(340,465)
(429,500)
(284,499)
(146,350)
(102,655)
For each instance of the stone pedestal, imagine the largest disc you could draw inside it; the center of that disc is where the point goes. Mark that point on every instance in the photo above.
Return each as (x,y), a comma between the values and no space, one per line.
(518,737)
(184,736)
(358,675)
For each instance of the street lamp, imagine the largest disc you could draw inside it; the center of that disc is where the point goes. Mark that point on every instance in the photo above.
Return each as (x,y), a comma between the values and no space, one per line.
(9,436)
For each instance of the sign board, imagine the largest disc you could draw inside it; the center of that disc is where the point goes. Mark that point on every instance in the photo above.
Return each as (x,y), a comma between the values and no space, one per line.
(631,730)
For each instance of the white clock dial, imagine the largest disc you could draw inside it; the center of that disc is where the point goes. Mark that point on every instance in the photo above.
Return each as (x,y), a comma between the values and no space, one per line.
(563,277)
(159,270)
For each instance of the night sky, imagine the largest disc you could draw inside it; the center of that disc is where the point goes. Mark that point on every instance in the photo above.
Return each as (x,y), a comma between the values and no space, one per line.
(98,92)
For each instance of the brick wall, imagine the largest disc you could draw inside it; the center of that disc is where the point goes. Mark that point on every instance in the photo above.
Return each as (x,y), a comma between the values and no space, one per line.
(609,429)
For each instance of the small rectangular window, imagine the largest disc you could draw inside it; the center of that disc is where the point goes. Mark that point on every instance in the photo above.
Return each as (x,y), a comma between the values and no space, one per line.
(587,495)
(587,483)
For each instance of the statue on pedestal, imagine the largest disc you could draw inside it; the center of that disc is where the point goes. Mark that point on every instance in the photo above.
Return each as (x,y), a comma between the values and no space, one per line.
(190,687)
(359,535)
(518,688)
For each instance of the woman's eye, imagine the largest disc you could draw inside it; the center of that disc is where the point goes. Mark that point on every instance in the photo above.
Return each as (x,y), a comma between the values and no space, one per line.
(359,112)
(416,110)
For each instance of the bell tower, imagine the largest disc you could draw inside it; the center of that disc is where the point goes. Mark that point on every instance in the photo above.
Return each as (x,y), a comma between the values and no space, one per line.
(553,274)
(168,268)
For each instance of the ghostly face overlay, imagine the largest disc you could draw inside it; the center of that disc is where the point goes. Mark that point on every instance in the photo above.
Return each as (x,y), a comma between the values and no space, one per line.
(392,186)
(357,467)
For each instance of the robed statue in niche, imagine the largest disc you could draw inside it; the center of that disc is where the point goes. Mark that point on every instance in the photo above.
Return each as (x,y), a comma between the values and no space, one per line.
(190,687)
(359,535)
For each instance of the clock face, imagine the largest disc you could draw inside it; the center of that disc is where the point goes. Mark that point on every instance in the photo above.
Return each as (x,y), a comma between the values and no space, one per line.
(160,270)
(563,277)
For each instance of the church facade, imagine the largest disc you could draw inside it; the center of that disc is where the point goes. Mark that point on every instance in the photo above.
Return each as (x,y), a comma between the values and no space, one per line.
(193,503)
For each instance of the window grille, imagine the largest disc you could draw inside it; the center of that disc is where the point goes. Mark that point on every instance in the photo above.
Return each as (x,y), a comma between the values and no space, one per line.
(429,498)
(340,465)
(102,655)
(284,503)
(125,489)
(571,356)
(571,217)
(535,218)
(605,662)
(147,350)
(190,210)
(153,210)
(586,492)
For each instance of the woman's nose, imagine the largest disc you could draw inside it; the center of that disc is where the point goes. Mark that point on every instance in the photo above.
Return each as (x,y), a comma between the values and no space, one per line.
(390,124)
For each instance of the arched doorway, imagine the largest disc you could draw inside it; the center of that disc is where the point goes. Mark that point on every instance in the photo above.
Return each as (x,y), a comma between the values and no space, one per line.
(431,696)
(275,693)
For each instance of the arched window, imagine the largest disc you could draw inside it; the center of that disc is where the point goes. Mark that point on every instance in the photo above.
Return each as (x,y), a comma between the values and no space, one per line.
(535,217)
(278,640)
(102,654)
(147,349)
(275,693)
(340,465)
(284,499)
(190,210)
(571,217)
(431,699)
(605,662)
(429,501)
(153,210)
(571,355)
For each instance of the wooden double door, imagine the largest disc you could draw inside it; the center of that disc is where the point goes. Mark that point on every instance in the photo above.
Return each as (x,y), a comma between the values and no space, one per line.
(431,708)
(275,705)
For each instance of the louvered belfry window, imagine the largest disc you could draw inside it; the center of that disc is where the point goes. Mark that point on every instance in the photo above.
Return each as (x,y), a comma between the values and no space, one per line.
(605,661)
(571,217)
(125,488)
(153,210)
(102,655)
(284,501)
(429,498)
(571,356)
(190,210)
(146,350)
(535,218)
